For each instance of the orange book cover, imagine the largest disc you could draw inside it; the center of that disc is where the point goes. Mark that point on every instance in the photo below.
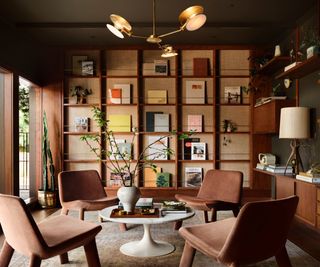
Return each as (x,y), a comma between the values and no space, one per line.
(115,95)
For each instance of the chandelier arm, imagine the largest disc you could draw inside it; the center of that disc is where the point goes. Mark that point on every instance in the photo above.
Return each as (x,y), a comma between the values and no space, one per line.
(138,36)
(169,33)
(154,18)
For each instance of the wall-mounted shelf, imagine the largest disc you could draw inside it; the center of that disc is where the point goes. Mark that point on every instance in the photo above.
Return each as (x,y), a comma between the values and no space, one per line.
(274,65)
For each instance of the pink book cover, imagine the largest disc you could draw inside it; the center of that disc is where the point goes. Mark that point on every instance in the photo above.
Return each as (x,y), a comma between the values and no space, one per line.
(195,123)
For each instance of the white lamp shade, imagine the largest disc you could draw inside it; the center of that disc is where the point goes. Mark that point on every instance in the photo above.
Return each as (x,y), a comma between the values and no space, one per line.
(295,123)
(196,22)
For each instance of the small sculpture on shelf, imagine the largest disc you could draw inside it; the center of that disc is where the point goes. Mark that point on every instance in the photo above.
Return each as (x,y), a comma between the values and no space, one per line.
(229,126)
(80,93)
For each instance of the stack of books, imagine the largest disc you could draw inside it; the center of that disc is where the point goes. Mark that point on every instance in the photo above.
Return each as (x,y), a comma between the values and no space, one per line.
(308,177)
(261,166)
(142,203)
(279,169)
(173,207)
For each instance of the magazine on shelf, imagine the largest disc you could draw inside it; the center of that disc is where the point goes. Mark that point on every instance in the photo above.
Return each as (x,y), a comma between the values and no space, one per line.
(150,120)
(193,176)
(161,122)
(198,151)
(163,179)
(81,124)
(115,95)
(186,150)
(113,148)
(150,176)
(195,123)
(160,67)
(119,123)
(157,96)
(125,92)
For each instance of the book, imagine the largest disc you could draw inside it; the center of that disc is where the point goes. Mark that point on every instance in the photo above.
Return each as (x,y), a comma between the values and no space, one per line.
(160,67)
(173,207)
(232,94)
(292,65)
(161,122)
(87,67)
(158,148)
(150,177)
(113,148)
(115,180)
(150,120)
(186,150)
(261,166)
(119,122)
(309,174)
(198,151)
(115,95)
(195,92)
(125,151)
(193,176)
(163,179)
(144,202)
(77,64)
(125,92)
(279,170)
(81,124)
(157,97)
(308,179)
(195,123)
(201,66)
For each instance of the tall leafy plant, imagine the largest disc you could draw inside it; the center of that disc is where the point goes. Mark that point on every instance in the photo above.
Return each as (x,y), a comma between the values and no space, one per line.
(47,161)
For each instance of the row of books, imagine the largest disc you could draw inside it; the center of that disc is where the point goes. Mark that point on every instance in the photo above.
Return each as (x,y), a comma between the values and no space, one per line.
(275,168)
(308,177)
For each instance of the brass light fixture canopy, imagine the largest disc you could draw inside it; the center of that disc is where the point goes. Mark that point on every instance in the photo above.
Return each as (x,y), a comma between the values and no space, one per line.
(191,19)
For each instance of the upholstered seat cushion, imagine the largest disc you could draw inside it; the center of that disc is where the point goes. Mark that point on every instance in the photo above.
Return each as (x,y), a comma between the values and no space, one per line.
(208,238)
(96,204)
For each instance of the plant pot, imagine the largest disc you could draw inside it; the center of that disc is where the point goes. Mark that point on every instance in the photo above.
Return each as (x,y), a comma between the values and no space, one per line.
(47,199)
(128,196)
(312,50)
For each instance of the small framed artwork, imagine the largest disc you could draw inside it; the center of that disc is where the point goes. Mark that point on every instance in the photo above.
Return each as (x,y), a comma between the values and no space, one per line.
(161,67)
(81,124)
(233,94)
(198,151)
(87,67)
(193,176)
(77,64)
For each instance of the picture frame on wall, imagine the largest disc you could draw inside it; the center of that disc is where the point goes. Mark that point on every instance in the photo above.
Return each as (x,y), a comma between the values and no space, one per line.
(232,94)
(77,64)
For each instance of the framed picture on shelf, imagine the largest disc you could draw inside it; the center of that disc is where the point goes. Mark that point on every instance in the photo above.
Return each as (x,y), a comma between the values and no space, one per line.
(198,151)
(161,67)
(232,94)
(81,124)
(193,176)
(195,92)
(77,64)
(87,68)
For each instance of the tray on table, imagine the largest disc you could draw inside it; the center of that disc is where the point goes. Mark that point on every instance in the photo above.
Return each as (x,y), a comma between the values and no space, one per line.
(116,213)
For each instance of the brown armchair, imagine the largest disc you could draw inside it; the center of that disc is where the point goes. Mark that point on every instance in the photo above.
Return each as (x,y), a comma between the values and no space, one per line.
(258,233)
(220,190)
(83,191)
(55,236)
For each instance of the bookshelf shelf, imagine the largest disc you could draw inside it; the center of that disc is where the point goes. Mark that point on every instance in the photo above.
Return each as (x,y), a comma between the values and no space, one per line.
(88,105)
(274,65)
(80,133)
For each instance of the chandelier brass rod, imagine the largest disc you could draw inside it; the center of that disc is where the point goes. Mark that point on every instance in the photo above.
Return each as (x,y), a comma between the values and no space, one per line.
(154,18)
(169,33)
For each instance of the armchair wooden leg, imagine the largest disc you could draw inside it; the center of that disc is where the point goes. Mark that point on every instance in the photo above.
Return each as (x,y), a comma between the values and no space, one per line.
(81,214)
(6,254)
(92,254)
(187,255)
(35,261)
(122,227)
(205,213)
(177,225)
(282,258)
(64,211)
(213,215)
(64,258)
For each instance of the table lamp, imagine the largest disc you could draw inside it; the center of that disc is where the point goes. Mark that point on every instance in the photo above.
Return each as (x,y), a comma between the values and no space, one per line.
(295,125)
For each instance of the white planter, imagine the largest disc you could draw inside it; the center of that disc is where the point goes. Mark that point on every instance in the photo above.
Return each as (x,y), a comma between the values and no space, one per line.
(128,196)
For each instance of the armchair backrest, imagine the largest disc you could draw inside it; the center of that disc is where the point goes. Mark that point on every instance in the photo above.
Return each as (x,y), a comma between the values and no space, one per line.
(80,185)
(19,228)
(260,231)
(222,185)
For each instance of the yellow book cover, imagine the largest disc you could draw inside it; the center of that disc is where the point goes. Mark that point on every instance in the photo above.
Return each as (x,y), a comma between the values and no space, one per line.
(150,177)
(157,97)
(120,123)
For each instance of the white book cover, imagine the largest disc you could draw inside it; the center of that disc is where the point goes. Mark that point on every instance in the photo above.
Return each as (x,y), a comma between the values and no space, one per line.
(307,178)
(195,92)
(113,147)
(115,95)
(158,148)
(161,122)
(126,92)
(198,151)
(81,124)
(193,176)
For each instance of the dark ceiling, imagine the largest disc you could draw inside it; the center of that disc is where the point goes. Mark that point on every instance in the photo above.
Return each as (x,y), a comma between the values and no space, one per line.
(82,22)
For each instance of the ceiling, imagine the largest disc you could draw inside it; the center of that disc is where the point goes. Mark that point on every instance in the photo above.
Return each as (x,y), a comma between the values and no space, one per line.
(82,22)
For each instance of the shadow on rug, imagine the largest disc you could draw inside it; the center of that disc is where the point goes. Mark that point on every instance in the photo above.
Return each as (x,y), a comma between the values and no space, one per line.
(110,239)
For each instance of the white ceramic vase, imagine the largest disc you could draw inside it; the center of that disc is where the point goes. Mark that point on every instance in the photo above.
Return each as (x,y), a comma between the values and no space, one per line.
(128,196)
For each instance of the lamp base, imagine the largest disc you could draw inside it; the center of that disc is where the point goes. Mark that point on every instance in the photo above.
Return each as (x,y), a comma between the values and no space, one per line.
(294,157)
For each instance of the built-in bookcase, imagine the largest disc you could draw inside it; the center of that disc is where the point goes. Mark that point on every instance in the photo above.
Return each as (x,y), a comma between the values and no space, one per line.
(170,79)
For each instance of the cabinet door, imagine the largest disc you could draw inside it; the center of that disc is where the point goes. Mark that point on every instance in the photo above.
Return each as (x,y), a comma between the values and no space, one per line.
(284,187)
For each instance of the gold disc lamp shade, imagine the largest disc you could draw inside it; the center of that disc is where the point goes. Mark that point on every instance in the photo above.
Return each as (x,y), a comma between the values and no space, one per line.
(295,125)
(191,19)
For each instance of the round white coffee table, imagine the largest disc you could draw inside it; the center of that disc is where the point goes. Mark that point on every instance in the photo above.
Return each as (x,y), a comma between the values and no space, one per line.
(147,246)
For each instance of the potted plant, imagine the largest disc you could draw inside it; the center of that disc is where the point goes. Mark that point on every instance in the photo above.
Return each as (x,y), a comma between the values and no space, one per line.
(80,93)
(121,162)
(47,195)
(310,43)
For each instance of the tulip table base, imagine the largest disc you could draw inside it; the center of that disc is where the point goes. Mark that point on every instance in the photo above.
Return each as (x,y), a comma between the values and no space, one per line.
(147,247)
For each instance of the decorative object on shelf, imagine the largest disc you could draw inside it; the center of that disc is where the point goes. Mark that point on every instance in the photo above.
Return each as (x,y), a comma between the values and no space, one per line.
(77,64)
(287,83)
(47,195)
(80,93)
(191,19)
(267,158)
(123,164)
(87,68)
(226,140)
(310,43)
(229,126)
(201,66)
(195,92)
(193,176)
(161,67)
(295,125)
(233,94)
(277,51)
(81,124)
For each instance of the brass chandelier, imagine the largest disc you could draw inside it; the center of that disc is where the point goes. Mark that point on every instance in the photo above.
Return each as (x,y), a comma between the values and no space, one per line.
(190,19)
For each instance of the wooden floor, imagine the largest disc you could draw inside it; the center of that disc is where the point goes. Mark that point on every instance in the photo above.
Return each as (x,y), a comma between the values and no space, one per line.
(303,236)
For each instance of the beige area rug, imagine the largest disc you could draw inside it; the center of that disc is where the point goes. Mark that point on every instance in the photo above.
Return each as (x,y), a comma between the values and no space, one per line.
(110,239)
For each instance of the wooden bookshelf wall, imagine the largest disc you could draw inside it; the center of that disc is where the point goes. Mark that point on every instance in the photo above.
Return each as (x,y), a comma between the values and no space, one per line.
(229,67)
